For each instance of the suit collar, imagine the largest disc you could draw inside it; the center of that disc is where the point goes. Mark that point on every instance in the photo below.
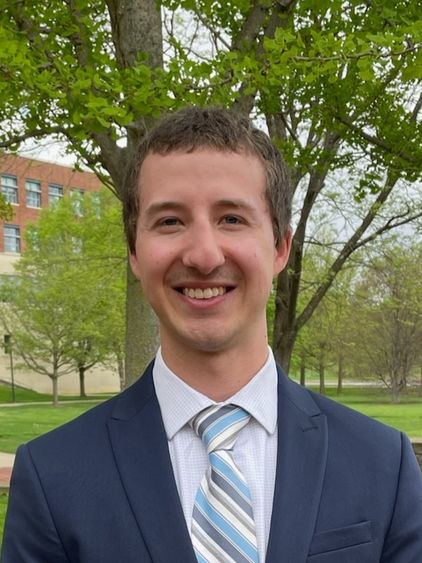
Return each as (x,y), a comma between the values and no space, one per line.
(146,472)
(301,462)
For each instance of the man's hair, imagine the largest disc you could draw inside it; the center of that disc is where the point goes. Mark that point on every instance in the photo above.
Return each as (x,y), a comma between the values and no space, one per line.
(194,128)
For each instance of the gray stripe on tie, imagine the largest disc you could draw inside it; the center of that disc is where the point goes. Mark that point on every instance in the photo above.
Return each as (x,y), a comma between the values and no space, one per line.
(209,545)
(220,484)
(220,413)
(218,537)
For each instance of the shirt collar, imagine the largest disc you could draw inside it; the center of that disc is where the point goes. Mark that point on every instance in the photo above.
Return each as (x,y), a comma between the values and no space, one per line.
(179,402)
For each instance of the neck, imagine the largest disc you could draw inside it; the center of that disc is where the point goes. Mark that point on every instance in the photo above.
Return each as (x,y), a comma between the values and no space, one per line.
(218,375)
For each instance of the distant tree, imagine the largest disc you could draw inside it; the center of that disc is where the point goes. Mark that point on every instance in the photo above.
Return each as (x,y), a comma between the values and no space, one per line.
(388,304)
(63,300)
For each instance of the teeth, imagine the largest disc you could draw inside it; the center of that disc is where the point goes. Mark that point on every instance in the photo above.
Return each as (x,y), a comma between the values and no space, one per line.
(207,293)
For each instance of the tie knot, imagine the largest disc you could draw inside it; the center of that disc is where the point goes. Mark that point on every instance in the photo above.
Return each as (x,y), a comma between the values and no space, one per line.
(218,427)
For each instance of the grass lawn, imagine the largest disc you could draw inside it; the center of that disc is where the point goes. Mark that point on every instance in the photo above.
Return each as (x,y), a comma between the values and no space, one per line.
(20,424)
(28,396)
(21,395)
(376,403)
(3,504)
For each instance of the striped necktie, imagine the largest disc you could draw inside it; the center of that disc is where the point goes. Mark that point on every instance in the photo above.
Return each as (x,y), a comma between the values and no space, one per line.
(223,528)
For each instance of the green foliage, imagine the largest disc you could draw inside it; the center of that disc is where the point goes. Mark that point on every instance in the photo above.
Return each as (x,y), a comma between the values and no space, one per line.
(370,322)
(388,303)
(66,308)
(337,83)
(6,210)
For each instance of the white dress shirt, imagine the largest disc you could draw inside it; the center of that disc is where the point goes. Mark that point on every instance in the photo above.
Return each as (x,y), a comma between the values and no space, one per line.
(255,450)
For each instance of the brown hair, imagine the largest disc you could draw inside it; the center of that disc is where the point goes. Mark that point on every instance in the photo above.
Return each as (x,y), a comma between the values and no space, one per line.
(193,128)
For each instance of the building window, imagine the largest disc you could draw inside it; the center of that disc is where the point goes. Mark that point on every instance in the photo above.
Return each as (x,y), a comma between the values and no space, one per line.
(33,193)
(9,188)
(77,195)
(12,239)
(55,193)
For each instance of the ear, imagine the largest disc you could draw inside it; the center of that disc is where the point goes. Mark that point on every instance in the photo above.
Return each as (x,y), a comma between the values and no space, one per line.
(282,252)
(134,265)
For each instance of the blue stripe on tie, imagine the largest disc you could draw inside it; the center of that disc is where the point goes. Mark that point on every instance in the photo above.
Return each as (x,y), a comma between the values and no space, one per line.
(200,558)
(219,545)
(226,471)
(225,527)
(222,424)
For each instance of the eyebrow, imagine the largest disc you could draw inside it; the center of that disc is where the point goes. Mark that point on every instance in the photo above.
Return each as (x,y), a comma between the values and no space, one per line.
(160,206)
(237,204)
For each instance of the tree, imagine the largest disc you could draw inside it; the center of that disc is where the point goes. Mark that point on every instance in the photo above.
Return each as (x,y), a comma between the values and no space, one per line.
(87,72)
(388,300)
(65,306)
(337,84)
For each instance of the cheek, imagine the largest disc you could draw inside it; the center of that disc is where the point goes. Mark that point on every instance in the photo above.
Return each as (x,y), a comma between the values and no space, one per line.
(153,262)
(257,266)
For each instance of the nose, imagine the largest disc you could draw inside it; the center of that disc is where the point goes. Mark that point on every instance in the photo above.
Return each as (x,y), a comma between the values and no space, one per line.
(204,251)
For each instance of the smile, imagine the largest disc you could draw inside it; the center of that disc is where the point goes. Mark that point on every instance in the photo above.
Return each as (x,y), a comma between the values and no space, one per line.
(207,293)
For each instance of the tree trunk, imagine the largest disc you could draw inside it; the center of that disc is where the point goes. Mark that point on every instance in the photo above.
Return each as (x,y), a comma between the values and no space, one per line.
(322,373)
(284,333)
(82,393)
(340,373)
(55,383)
(121,371)
(303,370)
(142,337)
(395,388)
(137,31)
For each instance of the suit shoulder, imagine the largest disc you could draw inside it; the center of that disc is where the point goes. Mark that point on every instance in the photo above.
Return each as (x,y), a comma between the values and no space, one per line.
(359,432)
(84,424)
(344,423)
(91,427)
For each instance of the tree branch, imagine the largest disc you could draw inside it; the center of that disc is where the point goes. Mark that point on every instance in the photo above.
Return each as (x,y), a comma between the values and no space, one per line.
(377,53)
(351,246)
(34,134)
(250,34)
(378,142)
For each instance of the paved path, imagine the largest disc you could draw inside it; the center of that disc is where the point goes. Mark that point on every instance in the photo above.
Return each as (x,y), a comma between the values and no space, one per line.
(6,465)
(61,403)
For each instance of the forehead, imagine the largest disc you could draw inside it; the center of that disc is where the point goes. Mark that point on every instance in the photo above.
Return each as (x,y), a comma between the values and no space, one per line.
(200,169)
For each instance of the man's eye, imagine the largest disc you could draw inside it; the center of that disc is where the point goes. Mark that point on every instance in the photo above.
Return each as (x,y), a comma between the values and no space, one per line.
(232,220)
(168,222)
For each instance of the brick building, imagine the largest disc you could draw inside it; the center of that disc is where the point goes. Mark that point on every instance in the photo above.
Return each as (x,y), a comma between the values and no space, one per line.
(29,185)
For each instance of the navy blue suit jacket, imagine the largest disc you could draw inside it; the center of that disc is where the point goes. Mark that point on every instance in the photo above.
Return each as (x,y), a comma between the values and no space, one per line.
(101,488)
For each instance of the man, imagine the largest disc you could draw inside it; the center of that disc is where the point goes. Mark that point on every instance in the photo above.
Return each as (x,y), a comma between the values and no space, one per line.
(157,474)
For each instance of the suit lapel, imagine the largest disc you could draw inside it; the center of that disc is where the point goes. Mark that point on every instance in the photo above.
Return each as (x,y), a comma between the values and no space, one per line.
(301,461)
(140,447)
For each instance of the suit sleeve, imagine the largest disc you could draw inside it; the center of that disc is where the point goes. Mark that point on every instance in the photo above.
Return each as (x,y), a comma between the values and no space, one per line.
(30,535)
(403,543)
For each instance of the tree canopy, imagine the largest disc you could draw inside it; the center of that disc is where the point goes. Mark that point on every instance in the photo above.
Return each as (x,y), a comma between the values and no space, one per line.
(65,305)
(337,85)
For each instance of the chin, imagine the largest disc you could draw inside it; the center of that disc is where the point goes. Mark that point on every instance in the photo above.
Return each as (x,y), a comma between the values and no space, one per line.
(207,343)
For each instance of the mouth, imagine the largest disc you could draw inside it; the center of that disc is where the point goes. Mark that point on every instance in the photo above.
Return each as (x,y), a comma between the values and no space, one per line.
(204,293)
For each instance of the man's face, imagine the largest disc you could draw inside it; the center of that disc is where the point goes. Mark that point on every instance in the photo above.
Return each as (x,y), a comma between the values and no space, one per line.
(205,251)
